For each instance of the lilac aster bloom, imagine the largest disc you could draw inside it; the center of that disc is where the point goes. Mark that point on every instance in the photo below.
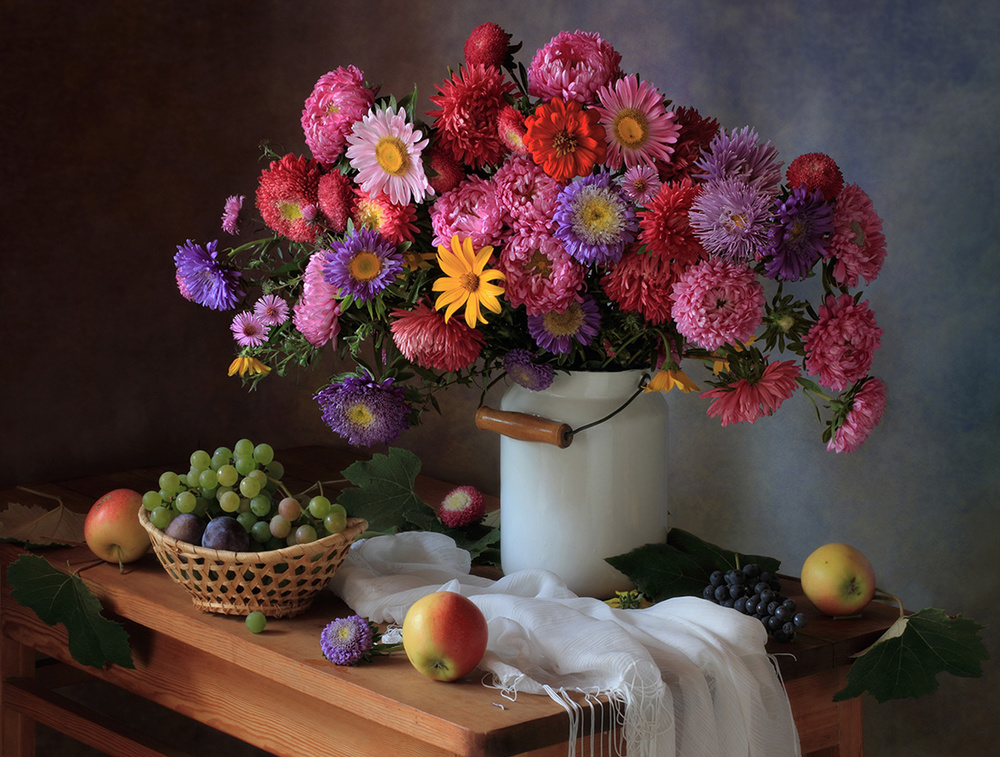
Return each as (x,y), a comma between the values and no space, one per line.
(346,641)
(231,214)
(741,155)
(594,220)
(730,218)
(557,332)
(363,411)
(798,240)
(271,309)
(520,366)
(203,277)
(362,265)
(249,330)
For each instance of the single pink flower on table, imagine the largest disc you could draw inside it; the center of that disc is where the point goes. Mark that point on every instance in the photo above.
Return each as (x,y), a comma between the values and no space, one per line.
(855,422)
(744,400)
(462,506)
(841,345)
(317,313)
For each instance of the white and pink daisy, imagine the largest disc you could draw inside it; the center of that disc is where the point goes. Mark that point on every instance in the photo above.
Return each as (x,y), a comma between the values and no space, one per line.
(386,150)
(637,125)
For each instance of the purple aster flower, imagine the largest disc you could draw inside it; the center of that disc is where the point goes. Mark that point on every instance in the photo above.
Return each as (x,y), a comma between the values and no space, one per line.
(641,183)
(594,220)
(203,277)
(231,214)
(556,331)
(798,240)
(271,310)
(741,155)
(363,411)
(346,641)
(362,265)
(520,366)
(730,218)
(249,330)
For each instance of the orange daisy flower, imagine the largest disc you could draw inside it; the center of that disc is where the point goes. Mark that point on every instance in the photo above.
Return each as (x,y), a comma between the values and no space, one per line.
(565,139)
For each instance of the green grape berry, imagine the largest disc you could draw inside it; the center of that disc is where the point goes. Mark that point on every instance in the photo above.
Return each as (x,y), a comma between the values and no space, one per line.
(200,459)
(221,457)
(336,520)
(185,502)
(161,517)
(290,509)
(246,519)
(260,532)
(151,500)
(243,448)
(208,479)
(280,527)
(256,621)
(170,482)
(260,505)
(229,501)
(263,454)
(227,475)
(245,464)
(319,507)
(249,487)
(305,534)
(275,470)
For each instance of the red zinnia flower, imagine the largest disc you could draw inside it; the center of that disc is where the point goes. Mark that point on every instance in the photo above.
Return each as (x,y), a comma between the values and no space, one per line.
(425,338)
(664,227)
(468,107)
(287,190)
(744,400)
(564,139)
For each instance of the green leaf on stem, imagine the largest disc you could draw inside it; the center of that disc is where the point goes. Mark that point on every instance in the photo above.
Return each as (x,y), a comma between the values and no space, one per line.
(385,490)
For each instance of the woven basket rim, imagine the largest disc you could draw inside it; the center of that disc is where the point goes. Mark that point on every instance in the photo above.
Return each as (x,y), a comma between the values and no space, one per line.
(355,527)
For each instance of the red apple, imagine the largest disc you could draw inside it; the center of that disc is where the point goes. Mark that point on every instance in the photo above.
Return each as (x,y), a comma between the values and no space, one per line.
(112,528)
(838,579)
(444,635)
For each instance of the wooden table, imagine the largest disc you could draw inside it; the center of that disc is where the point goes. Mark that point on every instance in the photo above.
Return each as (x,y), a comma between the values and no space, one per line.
(210,668)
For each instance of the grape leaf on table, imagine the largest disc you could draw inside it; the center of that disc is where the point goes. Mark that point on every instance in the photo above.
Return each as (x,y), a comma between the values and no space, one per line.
(712,557)
(58,597)
(476,539)
(384,492)
(906,659)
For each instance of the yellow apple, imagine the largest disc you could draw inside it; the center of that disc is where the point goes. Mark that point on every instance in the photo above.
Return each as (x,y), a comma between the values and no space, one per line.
(444,635)
(838,579)
(112,528)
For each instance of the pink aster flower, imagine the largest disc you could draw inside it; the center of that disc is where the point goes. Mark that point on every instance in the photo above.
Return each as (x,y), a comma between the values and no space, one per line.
(231,214)
(462,506)
(425,338)
(856,418)
(317,313)
(744,401)
(271,310)
(511,128)
(397,223)
(640,184)
(248,330)
(638,127)
(857,244)
(573,66)
(717,302)
(841,345)
(285,192)
(385,150)
(469,210)
(526,195)
(541,274)
(339,98)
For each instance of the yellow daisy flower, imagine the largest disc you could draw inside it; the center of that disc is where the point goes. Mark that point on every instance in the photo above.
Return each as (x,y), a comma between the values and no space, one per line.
(467,281)
(668,379)
(245,365)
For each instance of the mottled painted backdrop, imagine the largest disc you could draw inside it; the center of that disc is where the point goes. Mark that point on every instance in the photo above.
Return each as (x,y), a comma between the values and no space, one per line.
(125,125)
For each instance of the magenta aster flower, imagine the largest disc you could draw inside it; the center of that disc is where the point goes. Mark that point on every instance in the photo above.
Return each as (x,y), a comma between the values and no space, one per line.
(469,210)
(339,98)
(741,155)
(857,244)
(462,506)
(362,265)
(594,220)
(643,283)
(717,302)
(638,127)
(231,214)
(363,411)
(731,219)
(815,170)
(271,310)
(346,641)
(857,416)
(541,274)
(798,239)
(573,66)
(520,365)
(386,151)
(317,313)
(746,400)
(248,330)
(664,225)
(202,278)
(841,345)
(557,332)
(526,195)
(640,184)
(335,196)
(511,130)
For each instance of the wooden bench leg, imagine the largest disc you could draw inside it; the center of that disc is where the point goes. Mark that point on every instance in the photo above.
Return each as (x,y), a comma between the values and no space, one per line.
(17,732)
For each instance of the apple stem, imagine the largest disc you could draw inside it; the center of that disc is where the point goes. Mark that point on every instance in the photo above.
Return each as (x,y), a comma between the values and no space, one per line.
(883,596)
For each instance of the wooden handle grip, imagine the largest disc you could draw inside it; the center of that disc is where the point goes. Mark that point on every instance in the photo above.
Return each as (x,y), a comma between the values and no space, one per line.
(525,427)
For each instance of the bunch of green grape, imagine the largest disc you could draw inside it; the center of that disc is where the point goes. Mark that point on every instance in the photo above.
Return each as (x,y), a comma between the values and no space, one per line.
(245,483)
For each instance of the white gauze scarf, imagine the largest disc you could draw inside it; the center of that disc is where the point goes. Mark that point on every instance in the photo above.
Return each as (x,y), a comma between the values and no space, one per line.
(686,677)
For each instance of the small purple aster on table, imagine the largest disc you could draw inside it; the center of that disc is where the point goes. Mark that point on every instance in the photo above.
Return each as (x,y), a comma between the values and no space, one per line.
(557,332)
(364,411)
(248,330)
(594,220)
(346,641)
(231,214)
(362,265)
(271,310)
(521,367)
(731,219)
(799,238)
(203,277)
(741,155)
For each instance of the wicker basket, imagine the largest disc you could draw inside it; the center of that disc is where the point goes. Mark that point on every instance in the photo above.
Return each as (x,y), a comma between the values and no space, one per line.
(279,583)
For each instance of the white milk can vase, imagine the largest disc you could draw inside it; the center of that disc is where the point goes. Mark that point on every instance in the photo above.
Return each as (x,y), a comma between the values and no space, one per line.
(572,493)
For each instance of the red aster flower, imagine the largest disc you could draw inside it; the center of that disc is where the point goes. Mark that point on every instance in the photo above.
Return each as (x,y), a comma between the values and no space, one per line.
(287,190)
(745,400)
(696,135)
(642,283)
(487,45)
(510,127)
(815,170)
(564,139)
(466,119)
(443,171)
(397,223)
(664,226)
(425,338)
(336,199)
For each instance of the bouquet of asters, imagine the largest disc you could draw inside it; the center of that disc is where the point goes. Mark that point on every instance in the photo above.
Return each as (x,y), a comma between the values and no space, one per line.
(563,216)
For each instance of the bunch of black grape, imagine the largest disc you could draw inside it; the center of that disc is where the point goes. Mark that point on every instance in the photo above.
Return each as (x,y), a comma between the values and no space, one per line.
(752,591)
